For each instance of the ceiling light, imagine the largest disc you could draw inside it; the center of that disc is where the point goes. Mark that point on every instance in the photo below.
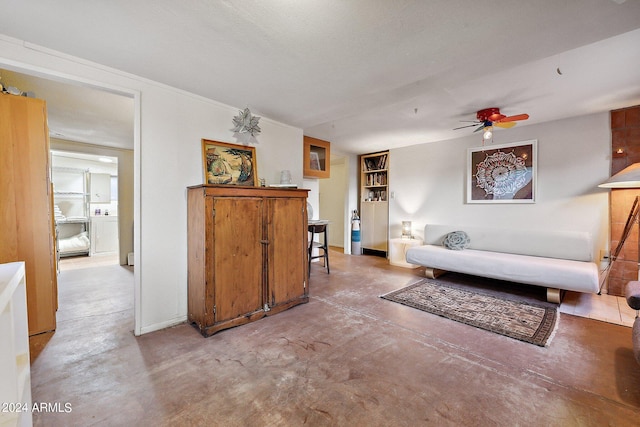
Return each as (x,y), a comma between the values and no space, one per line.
(488,133)
(105,160)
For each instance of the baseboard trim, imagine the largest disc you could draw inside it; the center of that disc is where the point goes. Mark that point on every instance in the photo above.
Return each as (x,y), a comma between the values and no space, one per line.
(163,325)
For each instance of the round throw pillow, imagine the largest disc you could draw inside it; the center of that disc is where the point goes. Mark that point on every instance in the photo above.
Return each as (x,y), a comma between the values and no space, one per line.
(456,240)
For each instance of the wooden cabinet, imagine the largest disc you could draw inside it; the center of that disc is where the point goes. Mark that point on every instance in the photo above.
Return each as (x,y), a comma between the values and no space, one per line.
(374,203)
(316,158)
(26,204)
(374,230)
(247,254)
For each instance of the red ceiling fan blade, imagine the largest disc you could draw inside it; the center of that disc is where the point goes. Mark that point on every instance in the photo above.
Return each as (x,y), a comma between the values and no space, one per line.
(515,118)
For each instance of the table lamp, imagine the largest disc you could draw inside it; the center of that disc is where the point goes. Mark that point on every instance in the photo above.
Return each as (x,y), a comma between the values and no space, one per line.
(406,230)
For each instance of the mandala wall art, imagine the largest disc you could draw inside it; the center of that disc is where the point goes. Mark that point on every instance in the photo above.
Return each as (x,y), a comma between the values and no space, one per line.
(504,173)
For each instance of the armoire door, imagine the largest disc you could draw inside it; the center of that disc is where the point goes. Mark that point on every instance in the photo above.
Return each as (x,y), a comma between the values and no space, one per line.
(237,253)
(287,260)
(26,219)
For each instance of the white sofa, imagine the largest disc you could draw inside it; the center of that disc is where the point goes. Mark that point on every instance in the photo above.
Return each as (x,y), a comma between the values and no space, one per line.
(557,260)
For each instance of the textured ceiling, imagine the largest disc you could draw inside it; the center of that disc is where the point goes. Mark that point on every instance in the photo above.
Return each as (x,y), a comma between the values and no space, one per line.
(365,75)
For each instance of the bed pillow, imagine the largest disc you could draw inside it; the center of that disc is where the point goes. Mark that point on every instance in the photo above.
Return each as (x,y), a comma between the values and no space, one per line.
(456,240)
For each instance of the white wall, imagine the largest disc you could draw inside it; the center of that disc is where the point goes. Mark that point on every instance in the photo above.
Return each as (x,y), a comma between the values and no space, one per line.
(573,158)
(169,126)
(333,199)
(171,159)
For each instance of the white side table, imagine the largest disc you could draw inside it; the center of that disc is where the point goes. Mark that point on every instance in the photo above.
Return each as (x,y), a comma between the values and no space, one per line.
(15,361)
(398,250)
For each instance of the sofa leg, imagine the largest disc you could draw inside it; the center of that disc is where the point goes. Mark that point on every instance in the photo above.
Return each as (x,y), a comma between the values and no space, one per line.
(433,273)
(554,295)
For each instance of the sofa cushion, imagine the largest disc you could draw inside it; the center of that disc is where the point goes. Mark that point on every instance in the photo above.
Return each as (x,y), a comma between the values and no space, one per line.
(456,240)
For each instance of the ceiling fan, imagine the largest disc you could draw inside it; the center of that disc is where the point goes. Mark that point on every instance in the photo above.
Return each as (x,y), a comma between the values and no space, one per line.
(490,117)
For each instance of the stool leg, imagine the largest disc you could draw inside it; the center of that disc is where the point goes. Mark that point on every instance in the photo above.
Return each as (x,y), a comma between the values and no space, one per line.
(326,248)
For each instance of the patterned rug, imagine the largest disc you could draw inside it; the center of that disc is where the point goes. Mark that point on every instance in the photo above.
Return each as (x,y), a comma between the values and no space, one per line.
(524,321)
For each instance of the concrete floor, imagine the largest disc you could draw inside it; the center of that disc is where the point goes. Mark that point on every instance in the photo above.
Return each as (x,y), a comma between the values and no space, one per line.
(347,358)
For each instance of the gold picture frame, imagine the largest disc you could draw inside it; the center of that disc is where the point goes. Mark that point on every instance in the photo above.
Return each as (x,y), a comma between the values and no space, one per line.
(229,164)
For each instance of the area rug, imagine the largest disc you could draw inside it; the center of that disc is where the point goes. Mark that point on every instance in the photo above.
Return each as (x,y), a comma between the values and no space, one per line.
(524,321)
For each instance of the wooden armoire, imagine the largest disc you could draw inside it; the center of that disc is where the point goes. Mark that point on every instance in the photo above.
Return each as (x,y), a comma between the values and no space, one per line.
(247,254)
(26,220)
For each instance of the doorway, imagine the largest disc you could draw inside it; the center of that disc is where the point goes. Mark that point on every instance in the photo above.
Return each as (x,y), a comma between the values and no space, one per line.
(333,196)
(93,120)
(86,225)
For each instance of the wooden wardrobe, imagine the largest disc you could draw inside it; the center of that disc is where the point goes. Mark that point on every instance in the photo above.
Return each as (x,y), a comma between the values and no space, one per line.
(247,254)
(27,229)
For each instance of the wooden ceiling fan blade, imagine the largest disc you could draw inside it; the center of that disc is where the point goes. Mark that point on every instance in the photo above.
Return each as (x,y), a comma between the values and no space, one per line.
(515,118)
(505,124)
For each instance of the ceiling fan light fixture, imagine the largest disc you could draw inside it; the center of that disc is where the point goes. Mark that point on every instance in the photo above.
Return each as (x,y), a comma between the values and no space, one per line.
(488,133)
(492,116)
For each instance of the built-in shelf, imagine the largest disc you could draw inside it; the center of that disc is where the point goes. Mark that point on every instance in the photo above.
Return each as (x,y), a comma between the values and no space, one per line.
(374,177)
(374,205)
(69,194)
(316,158)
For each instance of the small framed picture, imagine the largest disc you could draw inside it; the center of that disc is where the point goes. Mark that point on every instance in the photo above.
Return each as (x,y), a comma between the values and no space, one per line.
(503,173)
(314,161)
(229,164)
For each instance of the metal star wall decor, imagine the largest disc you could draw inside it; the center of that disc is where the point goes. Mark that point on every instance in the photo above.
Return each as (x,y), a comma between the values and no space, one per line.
(244,122)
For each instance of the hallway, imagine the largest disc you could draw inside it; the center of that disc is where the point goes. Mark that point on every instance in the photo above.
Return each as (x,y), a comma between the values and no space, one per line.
(345,358)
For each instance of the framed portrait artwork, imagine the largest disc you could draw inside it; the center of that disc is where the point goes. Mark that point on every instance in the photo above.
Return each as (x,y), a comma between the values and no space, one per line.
(314,161)
(502,173)
(229,164)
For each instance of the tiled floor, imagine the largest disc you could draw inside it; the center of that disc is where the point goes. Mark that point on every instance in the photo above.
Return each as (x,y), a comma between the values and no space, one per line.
(607,308)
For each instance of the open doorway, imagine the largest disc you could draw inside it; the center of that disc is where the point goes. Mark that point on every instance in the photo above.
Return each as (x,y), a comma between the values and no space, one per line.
(333,196)
(85,209)
(90,122)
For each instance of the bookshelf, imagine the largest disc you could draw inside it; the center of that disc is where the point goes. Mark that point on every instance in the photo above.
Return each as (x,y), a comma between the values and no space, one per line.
(374,202)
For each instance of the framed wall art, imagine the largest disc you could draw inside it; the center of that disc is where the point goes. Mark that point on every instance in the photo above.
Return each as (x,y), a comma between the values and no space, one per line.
(502,173)
(314,161)
(230,164)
